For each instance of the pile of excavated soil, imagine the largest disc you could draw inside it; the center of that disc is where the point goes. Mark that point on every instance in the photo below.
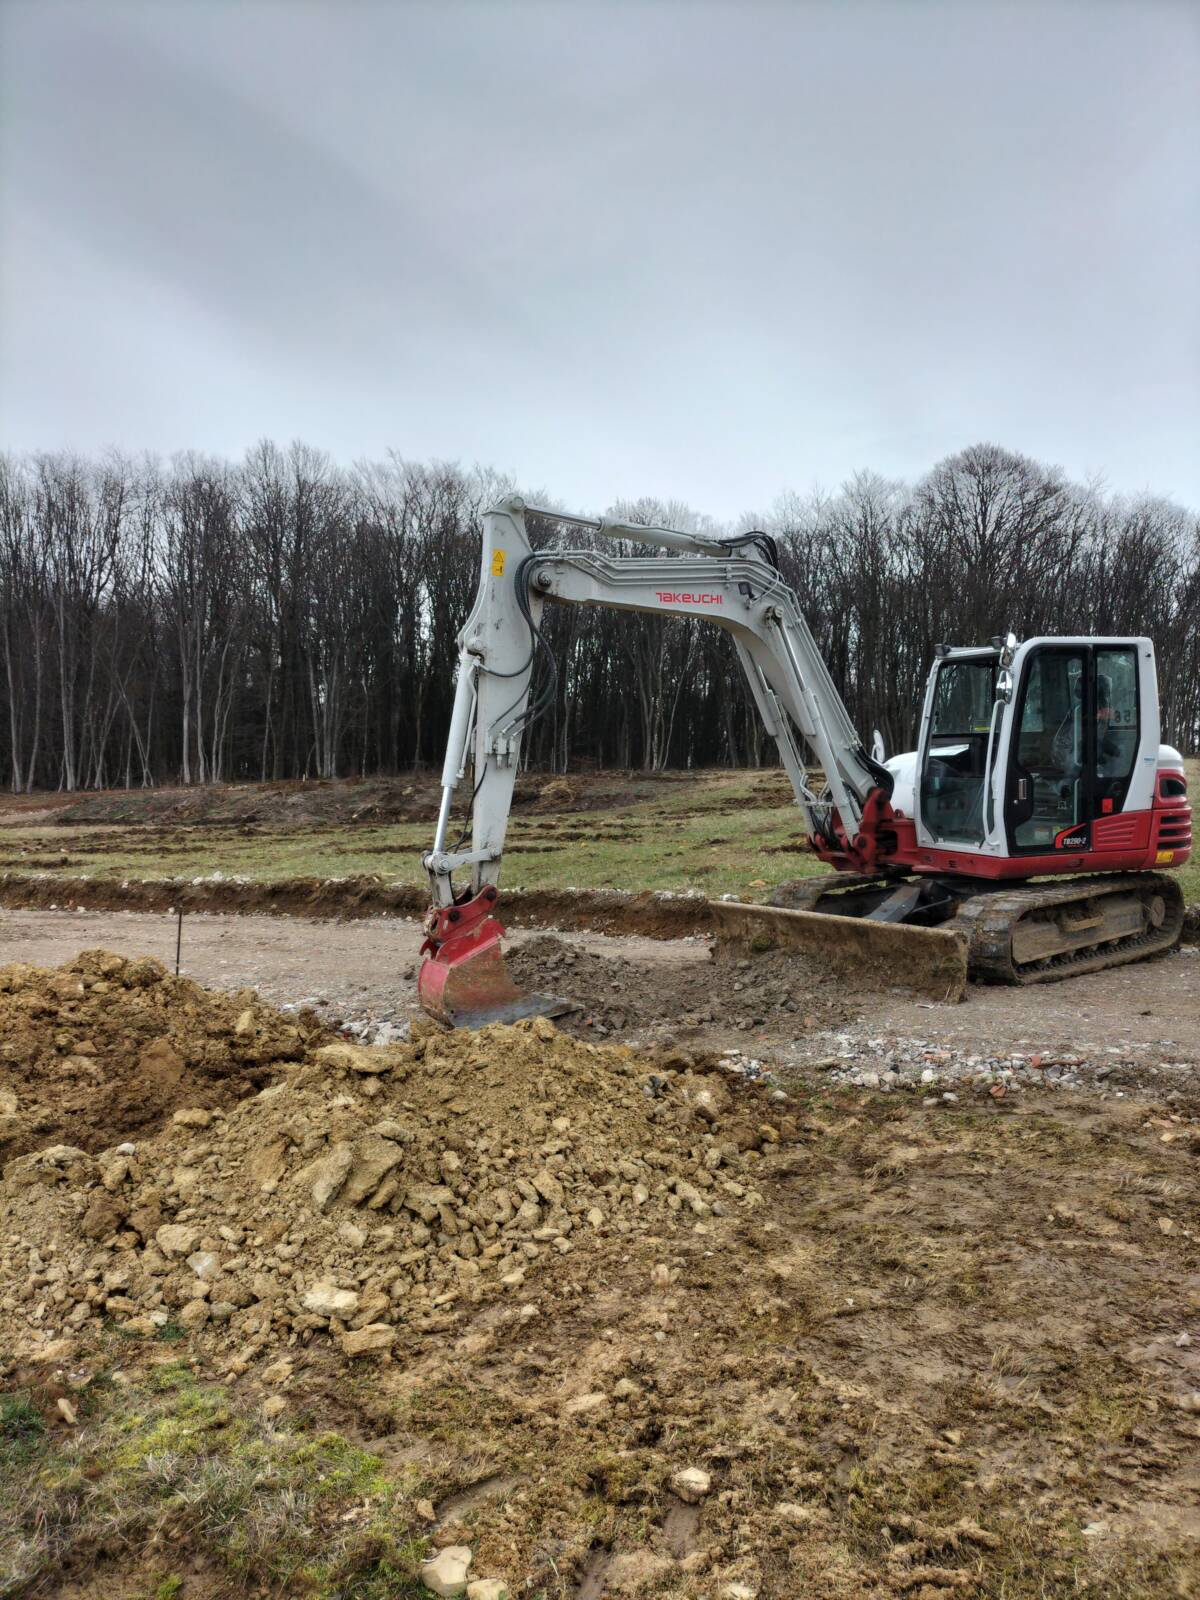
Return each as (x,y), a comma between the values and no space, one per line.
(654,1332)
(618,995)
(105,1047)
(412,797)
(368,1188)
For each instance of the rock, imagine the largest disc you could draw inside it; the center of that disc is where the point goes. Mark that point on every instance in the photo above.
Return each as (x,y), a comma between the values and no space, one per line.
(53,1352)
(274,1406)
(546,1184)
(371,1340)
(373,1159)
(101,1218)
(704,1103)
(192,1117)
(327,1300)
(194,1315)
(426,1511)
(205,1264)
(789,1511)
(355,1058)
(487,1589)
(175,1239)
(327,1174)
(115,1168)
(278,1371)
(66,1411)
(637,1572)
(446,1573)
(582,1404)
(268,1163)
(691,1484)
(738,1591)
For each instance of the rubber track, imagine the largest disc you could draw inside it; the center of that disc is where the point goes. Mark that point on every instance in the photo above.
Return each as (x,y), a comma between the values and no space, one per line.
(989,920)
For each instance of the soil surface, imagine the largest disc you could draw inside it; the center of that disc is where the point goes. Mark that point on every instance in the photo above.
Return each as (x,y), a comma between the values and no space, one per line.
(633,1322)
(642,997)
(1134,1023)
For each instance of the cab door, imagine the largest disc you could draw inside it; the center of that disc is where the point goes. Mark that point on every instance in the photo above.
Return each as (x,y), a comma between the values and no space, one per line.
(953,751)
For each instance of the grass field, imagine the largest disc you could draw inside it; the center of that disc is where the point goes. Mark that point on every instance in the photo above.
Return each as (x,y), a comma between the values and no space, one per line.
(711,832)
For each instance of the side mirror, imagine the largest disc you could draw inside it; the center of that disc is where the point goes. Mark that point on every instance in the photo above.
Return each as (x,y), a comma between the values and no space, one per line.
(878,749)
(1008,649)
(1004,683)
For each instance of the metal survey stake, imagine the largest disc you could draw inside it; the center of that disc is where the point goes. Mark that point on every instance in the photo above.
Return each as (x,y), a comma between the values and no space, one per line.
(178,937)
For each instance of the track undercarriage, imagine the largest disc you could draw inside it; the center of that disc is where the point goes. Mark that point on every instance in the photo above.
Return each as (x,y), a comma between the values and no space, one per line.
(931,934)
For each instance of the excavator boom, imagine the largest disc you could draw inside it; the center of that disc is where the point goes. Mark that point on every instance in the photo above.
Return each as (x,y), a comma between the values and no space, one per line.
(731,583)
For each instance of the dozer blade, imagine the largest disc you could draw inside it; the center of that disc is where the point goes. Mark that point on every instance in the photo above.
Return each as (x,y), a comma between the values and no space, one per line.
(930,962)
(463,980)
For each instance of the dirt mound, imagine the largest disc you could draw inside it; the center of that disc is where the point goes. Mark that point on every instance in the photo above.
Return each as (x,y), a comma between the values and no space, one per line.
(619,995)
(653,1332)
(299,802)
(105,1047)
(409,797)
(372,1188)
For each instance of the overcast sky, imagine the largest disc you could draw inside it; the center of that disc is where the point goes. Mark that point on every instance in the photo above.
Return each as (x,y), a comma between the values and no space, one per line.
(708,251)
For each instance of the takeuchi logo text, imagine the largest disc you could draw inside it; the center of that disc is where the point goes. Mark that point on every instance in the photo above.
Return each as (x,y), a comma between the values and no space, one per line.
(676,597)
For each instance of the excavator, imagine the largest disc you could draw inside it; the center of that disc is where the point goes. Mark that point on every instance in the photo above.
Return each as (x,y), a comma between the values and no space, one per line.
(1017,844)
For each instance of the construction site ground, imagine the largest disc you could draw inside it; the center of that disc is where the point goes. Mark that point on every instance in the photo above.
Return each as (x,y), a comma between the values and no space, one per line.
(741,1282)
(1137,1027)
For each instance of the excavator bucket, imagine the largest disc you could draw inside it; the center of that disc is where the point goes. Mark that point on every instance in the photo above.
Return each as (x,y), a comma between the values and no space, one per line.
(463,980)
(929,962)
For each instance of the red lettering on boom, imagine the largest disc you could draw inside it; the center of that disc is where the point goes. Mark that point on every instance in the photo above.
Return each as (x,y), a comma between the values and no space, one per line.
(674,597)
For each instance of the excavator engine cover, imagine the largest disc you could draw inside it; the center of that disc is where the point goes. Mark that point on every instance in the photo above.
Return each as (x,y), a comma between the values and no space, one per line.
(463,980)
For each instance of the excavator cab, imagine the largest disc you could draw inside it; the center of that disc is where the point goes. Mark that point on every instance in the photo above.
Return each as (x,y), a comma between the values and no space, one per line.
(1073,727)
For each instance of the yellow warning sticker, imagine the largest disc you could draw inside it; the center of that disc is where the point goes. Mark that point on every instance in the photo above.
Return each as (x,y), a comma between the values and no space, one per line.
(1164,858)
(497,563)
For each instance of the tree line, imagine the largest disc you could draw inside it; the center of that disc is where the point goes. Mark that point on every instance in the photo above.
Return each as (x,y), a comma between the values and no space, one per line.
(285,617)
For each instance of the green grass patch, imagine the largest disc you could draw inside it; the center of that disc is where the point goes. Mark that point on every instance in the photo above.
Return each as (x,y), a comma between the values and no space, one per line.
(22,1431)
(715,833)
(171,1462)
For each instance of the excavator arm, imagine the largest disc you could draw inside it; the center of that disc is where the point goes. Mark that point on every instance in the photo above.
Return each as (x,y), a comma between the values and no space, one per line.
(732,583)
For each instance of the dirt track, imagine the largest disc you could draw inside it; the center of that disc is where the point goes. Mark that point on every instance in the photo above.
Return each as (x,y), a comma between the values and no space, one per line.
(1137,1018)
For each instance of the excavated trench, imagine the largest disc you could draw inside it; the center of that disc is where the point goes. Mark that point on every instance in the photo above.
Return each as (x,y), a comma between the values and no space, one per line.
(654,915)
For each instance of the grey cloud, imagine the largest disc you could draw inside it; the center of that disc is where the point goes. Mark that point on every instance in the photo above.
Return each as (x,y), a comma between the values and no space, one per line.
(613,246)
